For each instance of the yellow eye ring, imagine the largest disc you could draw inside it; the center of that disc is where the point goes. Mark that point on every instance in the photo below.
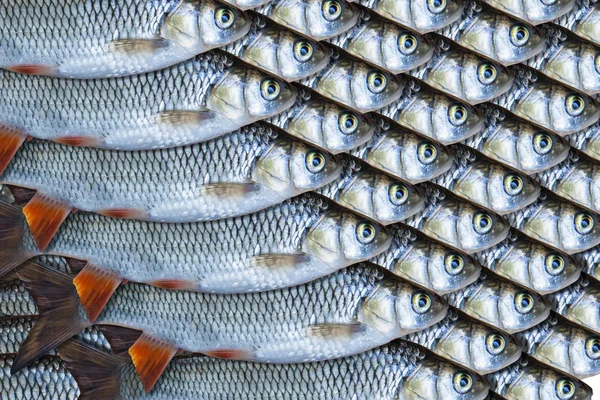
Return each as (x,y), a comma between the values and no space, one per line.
(398,194)
(303,51)
(427,153)
(483,223)
(421,303)
(348,123)
(224,17)
(565,389)
(407,43)
(519,35)
(458,114)
(524,303)
(436,6)
(365,232)
(584,223)
(592,348)
(495,344)
(376,82)
(555,264)
(463,382)
(542,143)
(487,73)
(332,10)
(270,89)
(513,184)
(575,105)
(315,161)
(454,264)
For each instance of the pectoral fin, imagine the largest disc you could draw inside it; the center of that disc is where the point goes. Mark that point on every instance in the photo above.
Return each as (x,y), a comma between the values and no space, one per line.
(150,357)
(94,287)
(44,216)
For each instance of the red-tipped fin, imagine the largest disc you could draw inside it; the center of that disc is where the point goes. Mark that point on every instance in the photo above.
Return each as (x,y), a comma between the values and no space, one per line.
(124,213)
(79,141)
(175,284)
(150,357)
(10,141)
(12,231)
(33,69)
(95,286)
(44,216)
(229,354)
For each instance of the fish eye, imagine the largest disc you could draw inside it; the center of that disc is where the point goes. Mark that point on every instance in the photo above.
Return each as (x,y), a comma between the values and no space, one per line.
(408,43)
(565,389)
(270,89)
(376,82)
(427,153)
(555,264)
(348,123)
(436,6)
(575,105)
(315,161)
(592,348)
(225,18)
(463,382)
(549,2)
(303,51)
(542,143)
(524,303)
(584,223)
(513,184)
(421,303)
(398,194)
(483,223)
(458,115)
(487,73)
(597,63)
(495,343)
(454,264)
(332,9)
(365,232)
(519,35)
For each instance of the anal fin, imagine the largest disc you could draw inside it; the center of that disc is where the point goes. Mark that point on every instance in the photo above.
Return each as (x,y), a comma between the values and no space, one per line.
(94,287)
(229,354)
(175,284)
(32,69)
(138,46)
(150,357)
(10,141)
(44,216)
(124,213)
(79,141)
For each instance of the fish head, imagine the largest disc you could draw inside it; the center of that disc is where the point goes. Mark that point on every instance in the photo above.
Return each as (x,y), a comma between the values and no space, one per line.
(203,25)
(422,16)
(541,383)
(537,150)
(328,18)
(509,307)
(585,309)
(341,238)
(246,4)
(571,348)
(577,229)
(569,111)
(483,80)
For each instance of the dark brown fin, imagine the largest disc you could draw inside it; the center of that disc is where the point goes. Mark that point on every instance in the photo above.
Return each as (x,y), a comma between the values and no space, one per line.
(12,229)
(79,141)
(175,284)
(21,195)
(9,278)
(120,338)
(96,373)
(95,286)
(44,216)
(60,312)
(10,141)
(32,69)
(75,265)
(124,213)
(150,357)
(138,46)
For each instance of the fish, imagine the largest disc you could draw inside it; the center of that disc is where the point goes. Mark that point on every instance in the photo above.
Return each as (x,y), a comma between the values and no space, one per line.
(495,35)
(372,194)
(15,301)
(318,20)
(583,20)
(564,347)
(284,245)
(346,313)
(125,38)
(246,4)
(419,16)
(579,304)
(433,115)
(356,85)
(534,12)
(558,224)
(587,141)
(463,75)
(235,174)
(531,264)
(501,304)
(548,105)
(590,260)
(402,154)
(427,263)
(458,223)
(517,144)
(279,52)
(527,379)
(468,343)
(384,44)
(190,102)
(488,184)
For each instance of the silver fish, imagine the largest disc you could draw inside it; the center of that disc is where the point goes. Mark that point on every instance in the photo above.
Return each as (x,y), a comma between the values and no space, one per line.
(500,304)
(318,19)
(457,223)
(373,194)
(590,260)
(518,144)
(488,184)
(464,75)
(530,264)
(583,20)
(123,38)
(246,4)
(579,303)
(548,105)
(384,45)
(562,346)
(534,12)
(190,102)
(426,263)
(587,141)
(495,35)
(558,224)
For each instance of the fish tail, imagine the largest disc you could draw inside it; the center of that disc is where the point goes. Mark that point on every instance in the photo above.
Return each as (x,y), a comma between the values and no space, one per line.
(12,233)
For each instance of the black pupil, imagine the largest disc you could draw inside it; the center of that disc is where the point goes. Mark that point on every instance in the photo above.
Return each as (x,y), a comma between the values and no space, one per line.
(349,123)
(514,184)
(333,9)
(271,88)
(525,302)
(409,42)
(544,143)
(225,17)
(488,72)
(437,3)
(520,34)
(484,222)
(316,161)
(566,388)
(459,114)
(555,263)
(464,382)
(377,81)
(304,50)
(497,343)
(422,302)
(576,104)
(455,263)
(585,222)
(399,193)
(596,347)
(428,152)
(367,232)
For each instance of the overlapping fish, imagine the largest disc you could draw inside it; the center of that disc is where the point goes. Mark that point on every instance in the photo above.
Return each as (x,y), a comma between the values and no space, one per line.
(579,304)
(587,141)
(583,20)
(533,11)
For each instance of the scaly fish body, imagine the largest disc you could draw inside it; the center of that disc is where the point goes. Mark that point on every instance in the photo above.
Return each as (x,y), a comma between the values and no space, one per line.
(587,141)
(112,39)
(579,303)
(16,301)
(246,4)
(590,260)
(534,12)
(235,174)
(583,20)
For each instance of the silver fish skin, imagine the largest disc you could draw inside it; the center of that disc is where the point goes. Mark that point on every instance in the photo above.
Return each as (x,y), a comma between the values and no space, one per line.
(500,304)
(117,39)
(579,304)
(590,260)
(583,20)
(587,141)
(495,35)
(15,301)
(187,103)
(567,348)
(458,223)
(373,194)
(558,224)
(527,379)
(426,263)
(319,20)
(407,156)
(517,144)
(464,75)
(531,264)
(534,12)
(488,184)
(287,244)
(468,343)
(384,45)
(356,85)
(548,105)
(419,16)
(280,52)
(434,115)
(235,174)
(246,4)
(324,124)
